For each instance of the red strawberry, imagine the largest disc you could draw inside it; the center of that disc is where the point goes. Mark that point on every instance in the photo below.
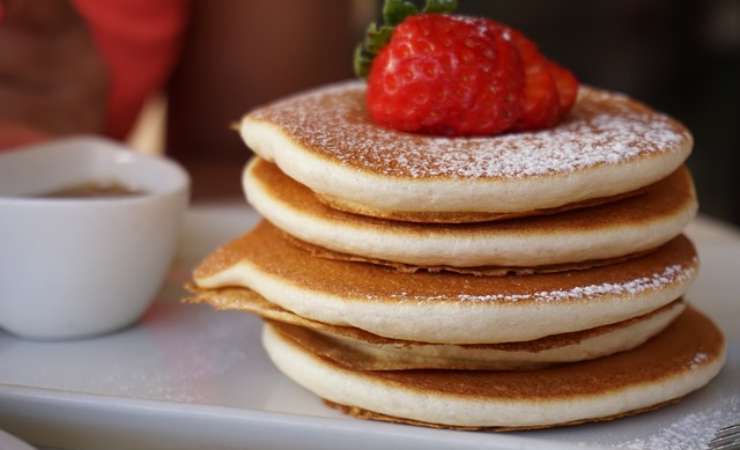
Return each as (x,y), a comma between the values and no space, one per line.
(448,75)
(541,105)
(567,86)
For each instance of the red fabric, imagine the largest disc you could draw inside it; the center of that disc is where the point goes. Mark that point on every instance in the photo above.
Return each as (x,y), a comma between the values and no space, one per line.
(139,41)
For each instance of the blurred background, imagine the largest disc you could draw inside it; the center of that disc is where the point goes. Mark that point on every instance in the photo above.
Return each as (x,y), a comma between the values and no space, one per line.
(215,60)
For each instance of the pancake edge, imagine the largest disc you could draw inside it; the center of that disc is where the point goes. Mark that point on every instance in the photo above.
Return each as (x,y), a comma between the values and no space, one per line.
(393,194)
(345,387)
(406,356)
(486,321)
(579,345)
(471,250)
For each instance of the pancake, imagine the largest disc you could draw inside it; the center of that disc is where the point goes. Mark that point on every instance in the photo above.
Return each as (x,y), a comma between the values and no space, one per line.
(445,217)
(491,271)
(364,414)
(685,357)
(369,354)
(447,307)
(608,145)
(632,225)
(360,350)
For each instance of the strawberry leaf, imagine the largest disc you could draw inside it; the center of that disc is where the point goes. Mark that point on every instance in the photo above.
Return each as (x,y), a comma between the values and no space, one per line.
(440,6)
(394,11)
(361,61)
(377,36)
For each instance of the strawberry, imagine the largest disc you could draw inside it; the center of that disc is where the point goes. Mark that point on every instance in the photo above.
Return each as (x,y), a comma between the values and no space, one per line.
(446,75)
(430,72)
(540,103)
(567,86)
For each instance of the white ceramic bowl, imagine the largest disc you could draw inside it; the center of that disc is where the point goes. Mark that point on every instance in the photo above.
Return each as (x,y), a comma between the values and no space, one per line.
(79,267)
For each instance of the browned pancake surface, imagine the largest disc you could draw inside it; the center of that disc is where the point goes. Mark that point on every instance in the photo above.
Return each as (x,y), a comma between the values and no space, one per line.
(318,344)
(689,343)
(664,198)
(460,218)
(265,248)
(243,299)
(489,271)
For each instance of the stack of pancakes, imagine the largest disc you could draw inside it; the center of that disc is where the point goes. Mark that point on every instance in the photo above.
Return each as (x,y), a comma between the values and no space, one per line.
(518,281)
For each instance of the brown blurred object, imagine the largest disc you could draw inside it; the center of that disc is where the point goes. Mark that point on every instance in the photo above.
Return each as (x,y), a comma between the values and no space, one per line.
(239,54)
(52,79)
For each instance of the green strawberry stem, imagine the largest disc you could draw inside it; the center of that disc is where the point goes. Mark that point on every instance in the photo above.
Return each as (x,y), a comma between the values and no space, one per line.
(377,36)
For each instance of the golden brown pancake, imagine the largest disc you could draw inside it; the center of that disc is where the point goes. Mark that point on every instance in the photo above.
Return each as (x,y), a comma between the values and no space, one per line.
(554,242)
(364,414)
(488,271)
(359,350)
(430,307)
(609,145)
(462,218)
(369,354)
(681,359)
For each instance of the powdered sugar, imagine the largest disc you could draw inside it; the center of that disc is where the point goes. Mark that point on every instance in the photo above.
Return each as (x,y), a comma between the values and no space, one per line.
(698,360)
(603,128)
(672,274)
(692,431)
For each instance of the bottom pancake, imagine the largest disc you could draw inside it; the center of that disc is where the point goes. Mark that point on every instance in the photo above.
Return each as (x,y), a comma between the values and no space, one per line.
(360,413)
(685,357)
(356,349)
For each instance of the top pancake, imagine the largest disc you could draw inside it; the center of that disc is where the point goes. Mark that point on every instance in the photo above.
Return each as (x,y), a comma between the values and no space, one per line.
(609,145)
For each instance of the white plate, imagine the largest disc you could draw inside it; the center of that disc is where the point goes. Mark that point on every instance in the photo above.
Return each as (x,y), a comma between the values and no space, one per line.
(190,377)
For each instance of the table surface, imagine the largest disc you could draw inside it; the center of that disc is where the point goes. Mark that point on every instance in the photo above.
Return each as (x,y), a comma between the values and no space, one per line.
(188,377)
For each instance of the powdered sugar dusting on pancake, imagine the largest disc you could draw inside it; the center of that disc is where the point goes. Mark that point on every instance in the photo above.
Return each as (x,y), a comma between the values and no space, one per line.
(603,128)
(675,273)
